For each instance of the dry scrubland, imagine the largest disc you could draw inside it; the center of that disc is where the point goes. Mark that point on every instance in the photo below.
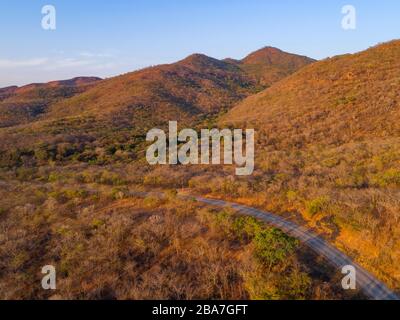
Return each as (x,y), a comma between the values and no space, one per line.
(329,147)
(108,243)
(327,156)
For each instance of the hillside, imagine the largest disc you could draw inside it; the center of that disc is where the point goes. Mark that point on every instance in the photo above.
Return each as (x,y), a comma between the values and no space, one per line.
(345,98)
(24,104)
(195,85)
(328,146)
(67,176)
(191,91)
(269,65)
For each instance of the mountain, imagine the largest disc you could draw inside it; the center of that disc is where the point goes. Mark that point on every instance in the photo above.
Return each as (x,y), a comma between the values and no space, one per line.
(188,91)
(328,146)
(327,155)
(20,105)
(6,92)
(193,86)
(337,100)
(269,65)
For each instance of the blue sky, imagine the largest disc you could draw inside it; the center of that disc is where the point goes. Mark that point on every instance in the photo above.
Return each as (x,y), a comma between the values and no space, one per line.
(106,38)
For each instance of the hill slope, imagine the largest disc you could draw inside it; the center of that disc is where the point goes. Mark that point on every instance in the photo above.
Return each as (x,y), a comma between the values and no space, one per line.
(196,85)
(269,65)
(328,146)
(188,91)
(20,105)
(338,99)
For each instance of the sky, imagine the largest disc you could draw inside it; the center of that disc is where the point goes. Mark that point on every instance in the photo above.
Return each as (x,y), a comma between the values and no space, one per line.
(107,38)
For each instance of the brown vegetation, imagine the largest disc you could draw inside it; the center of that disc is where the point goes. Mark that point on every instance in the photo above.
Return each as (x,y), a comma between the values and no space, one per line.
(327,155)
(107,244)
(328,146)
(28,103)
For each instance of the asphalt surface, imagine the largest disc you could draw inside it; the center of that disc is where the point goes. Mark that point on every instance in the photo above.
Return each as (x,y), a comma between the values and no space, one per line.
(366,282)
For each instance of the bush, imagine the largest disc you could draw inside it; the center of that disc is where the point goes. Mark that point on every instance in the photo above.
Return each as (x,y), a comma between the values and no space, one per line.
(54,177)
(97,223)
(25,174)
(152,202)
(59,196)
(273,246)
(296,285)
(171,194)
(74,194)
(39,197)
(390,177)
(317,205)
(109,178)
(67,195)
(246,227)
(119,193)
(222,221)
(44,153)
(291,196)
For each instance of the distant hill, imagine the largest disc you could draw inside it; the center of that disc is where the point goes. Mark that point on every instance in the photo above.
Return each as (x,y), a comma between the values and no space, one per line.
(188,91)
(196,85)
(269,65)
(6,92)
(193,86)
(20,105)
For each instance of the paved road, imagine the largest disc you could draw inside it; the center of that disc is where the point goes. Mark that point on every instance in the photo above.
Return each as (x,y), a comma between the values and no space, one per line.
(370,286)
(366,282)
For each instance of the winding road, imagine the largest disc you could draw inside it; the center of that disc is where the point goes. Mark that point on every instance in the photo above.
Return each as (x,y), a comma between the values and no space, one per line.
(366,282)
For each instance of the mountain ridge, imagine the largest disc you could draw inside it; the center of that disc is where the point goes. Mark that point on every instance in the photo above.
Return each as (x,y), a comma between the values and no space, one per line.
(270,65)
(341,83)
(328,145)
(19,105)
(195,85)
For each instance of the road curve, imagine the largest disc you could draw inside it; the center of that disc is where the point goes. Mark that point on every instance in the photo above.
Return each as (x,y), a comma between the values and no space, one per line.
(369,285)
(366,282)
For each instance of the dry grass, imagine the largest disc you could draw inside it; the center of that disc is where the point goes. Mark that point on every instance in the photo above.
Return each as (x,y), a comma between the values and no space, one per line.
(106,244)
(328,141)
